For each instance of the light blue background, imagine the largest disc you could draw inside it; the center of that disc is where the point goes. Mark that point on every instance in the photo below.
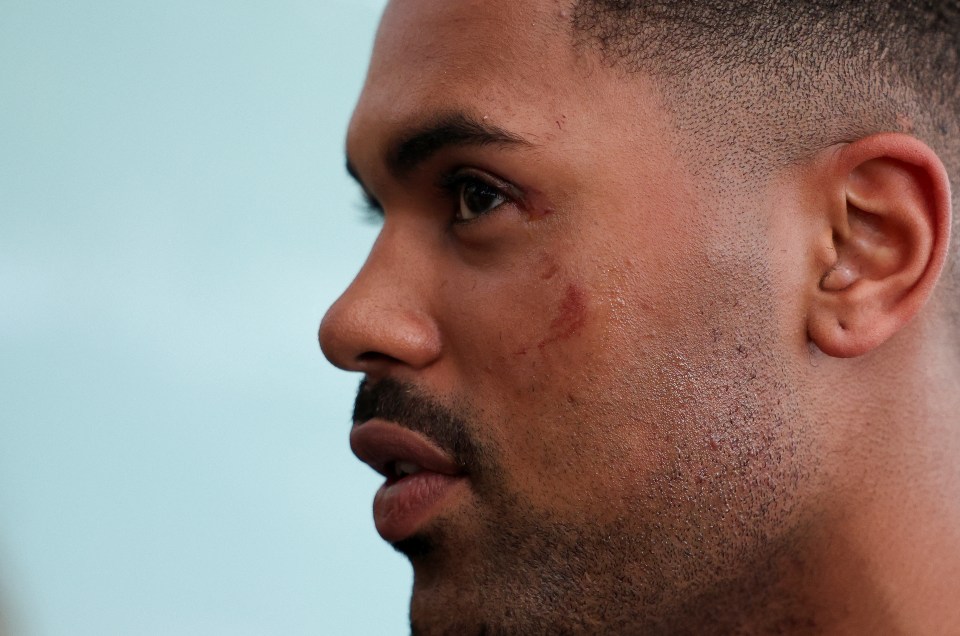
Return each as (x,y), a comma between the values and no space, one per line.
(174,220)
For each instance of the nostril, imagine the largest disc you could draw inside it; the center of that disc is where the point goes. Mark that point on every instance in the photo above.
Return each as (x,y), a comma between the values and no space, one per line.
(374,357)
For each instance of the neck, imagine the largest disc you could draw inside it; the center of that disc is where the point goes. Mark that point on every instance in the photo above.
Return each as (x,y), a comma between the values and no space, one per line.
(885,573)
(890,547)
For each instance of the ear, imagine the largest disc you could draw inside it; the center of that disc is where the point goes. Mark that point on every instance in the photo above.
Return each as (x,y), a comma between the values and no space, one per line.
(884,239)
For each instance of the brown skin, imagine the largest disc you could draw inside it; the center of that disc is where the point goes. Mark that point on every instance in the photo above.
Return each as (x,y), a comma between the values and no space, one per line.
(704,405)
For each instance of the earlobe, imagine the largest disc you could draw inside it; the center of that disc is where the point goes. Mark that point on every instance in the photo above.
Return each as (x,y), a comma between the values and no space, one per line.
(888,222)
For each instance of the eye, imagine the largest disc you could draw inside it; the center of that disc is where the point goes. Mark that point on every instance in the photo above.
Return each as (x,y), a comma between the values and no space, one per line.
(477,198)
(475,195)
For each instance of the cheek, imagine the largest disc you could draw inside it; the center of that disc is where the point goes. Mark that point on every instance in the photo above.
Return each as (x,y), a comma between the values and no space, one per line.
(555,373)
(513,333)
(524,361)
(569,317)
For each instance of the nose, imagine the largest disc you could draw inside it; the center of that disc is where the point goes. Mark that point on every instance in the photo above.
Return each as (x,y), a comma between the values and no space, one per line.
(383,320)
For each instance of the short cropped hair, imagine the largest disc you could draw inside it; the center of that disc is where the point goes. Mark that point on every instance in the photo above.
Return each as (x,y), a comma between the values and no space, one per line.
(770,82)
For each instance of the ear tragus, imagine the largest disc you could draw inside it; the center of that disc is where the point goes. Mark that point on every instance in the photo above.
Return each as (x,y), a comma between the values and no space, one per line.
(840,277)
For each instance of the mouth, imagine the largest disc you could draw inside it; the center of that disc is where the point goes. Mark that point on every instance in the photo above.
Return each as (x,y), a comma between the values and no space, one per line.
(420,477)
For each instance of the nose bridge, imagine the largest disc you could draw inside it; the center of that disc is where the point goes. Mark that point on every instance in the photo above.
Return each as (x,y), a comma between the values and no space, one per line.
(384,318)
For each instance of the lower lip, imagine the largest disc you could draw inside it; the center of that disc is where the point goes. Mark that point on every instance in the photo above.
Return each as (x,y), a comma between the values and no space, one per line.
(401,507)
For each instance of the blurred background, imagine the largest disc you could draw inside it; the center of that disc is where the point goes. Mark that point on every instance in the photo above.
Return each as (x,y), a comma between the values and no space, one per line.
(174,220)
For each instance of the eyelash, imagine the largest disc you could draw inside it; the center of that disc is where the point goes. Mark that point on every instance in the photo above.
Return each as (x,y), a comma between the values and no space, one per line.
(450,185)
(453,182)
(370,208)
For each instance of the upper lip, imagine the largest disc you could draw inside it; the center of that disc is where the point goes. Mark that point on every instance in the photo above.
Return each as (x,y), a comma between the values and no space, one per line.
(381,444)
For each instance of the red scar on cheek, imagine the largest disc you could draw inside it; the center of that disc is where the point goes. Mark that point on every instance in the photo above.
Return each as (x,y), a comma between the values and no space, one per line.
(572,313)
(570,319)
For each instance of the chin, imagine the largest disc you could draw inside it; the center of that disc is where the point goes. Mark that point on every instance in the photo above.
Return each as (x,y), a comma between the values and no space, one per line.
(435,611)
(446,598)
(437,614)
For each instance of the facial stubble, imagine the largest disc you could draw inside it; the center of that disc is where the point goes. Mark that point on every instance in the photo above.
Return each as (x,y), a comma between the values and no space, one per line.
(689,551)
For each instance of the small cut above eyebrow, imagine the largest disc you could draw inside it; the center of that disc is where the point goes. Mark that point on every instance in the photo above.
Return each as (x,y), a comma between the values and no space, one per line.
(412,148)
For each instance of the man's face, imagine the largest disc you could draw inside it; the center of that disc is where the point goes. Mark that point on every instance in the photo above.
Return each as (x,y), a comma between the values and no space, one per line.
(596,322)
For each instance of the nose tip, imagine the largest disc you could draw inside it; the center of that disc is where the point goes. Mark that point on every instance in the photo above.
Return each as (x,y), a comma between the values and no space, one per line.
(361,332)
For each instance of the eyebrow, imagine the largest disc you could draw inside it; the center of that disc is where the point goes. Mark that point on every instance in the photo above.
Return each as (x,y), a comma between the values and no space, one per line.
(414,147)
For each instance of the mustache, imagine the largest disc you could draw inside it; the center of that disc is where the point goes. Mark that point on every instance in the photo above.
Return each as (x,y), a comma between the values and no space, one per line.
(404,404)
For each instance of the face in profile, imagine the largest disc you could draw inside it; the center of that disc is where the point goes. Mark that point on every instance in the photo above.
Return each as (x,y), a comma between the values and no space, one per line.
(578,383)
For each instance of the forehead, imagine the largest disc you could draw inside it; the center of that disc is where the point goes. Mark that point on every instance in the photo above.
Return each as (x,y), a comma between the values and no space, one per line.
(477,52)
(500,32)
(510,61)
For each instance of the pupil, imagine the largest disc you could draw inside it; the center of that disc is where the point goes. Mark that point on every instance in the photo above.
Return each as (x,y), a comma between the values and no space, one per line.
(479,198)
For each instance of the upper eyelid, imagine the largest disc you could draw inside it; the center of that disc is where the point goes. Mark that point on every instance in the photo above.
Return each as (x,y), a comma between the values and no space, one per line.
(453,179)
(448,183)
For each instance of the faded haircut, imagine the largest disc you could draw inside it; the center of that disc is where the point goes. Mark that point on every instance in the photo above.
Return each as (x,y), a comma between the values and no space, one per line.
(771,82)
